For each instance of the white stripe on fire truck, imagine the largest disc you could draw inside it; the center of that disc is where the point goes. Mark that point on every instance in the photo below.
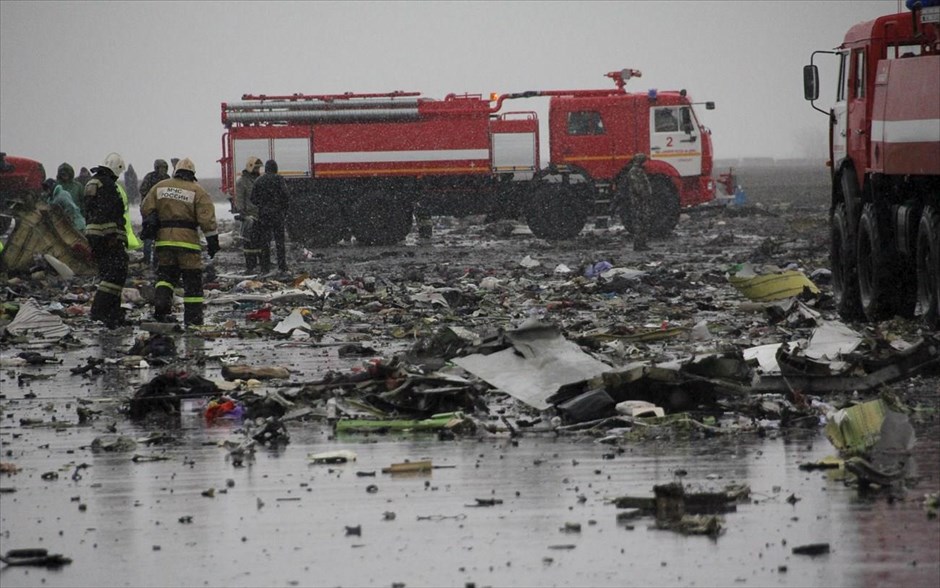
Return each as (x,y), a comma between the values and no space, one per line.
(394,156)
(630,156)
(906,131)
(403,170)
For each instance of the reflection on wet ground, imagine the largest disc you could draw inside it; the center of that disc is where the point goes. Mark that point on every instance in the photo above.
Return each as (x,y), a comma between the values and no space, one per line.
(279,521)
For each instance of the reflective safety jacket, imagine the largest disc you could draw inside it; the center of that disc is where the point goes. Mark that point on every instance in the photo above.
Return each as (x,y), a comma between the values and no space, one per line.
(104,209)
(132,241)
(183,207)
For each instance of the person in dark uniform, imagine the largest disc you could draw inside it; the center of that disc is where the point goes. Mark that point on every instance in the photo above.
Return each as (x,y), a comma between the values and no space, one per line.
(271,196)
(106,235)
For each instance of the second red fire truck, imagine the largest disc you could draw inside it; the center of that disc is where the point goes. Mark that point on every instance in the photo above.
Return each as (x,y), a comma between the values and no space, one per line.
(360,164)
(884,139)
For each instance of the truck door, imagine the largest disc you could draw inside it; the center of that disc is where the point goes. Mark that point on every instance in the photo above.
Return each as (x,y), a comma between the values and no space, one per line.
(674,139)
(587,142)
(840,114)
(858,126)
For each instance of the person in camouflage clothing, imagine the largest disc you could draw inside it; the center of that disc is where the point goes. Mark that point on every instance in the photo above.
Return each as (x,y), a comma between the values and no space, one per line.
(641,195)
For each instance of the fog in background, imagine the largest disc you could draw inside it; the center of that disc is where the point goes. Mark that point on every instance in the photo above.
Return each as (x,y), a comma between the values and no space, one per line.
(146,79)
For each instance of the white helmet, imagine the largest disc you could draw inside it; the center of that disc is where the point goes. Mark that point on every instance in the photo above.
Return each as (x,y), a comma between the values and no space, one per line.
(253,163)
(115,163)
(185,164)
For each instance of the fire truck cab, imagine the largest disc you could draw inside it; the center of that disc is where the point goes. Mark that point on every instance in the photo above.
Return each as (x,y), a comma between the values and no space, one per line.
(599,135)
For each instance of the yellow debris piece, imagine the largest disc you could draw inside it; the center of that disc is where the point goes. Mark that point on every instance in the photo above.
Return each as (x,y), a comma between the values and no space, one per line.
(777,286)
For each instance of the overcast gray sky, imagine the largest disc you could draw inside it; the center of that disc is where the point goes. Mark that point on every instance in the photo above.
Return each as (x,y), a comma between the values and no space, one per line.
(146,79)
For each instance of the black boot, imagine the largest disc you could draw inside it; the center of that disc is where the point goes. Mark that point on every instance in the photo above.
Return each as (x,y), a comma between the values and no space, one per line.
(106,308)
(192,313)
(162,304)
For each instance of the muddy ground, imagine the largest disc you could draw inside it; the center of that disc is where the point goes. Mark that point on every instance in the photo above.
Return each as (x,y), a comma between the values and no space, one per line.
(524,507)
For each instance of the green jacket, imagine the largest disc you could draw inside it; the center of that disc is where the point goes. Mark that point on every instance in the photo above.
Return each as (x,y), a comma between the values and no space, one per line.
(62,199)
(65,177)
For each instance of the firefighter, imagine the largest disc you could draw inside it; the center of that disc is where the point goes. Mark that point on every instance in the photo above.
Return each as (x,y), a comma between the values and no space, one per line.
(150,180)
(270,195)
(107,237)
(247,213)
(641,196)
(174,210)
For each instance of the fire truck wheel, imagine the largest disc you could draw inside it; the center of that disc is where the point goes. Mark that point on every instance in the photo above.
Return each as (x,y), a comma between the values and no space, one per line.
(665,209)
(557,212)
(842,261)
(880,272)
(382,219)
(315,220)
(928,266)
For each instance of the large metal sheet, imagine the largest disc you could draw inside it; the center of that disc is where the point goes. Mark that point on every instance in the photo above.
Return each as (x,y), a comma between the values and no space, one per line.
(539,362)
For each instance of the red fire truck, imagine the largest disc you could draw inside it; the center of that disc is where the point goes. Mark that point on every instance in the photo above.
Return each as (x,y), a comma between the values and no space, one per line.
(884,138)
(361,163)
(20,182)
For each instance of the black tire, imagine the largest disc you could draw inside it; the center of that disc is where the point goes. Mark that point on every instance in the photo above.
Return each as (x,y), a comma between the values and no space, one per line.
(315,220)
(842,260)
(381,219)
(881,274)
(928,267)
(558,211)
(556,205)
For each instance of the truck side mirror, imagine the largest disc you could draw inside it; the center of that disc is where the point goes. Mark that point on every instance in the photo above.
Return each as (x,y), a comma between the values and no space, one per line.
(709,106)
(810,82)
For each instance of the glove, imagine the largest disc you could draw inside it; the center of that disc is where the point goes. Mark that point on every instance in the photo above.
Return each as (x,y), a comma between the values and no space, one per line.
(212,244)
